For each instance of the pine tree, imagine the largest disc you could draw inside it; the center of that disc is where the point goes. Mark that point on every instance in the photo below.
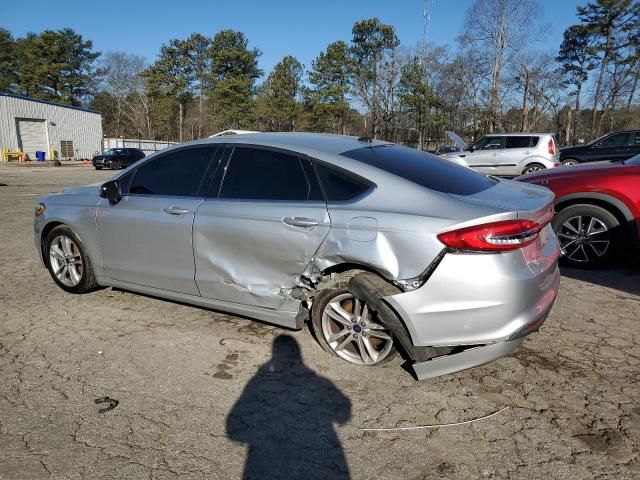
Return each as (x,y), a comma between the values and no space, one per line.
(330,76)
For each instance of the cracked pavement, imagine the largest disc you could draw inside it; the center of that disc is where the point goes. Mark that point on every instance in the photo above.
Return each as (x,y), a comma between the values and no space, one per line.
(192,382)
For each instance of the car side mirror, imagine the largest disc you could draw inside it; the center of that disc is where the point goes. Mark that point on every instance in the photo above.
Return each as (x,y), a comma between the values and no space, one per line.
(111,191)
(471,149)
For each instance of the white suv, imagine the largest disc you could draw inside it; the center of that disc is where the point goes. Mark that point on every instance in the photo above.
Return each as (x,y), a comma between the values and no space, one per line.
(508,154)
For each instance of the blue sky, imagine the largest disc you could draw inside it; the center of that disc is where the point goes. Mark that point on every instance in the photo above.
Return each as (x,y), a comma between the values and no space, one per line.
(277,27)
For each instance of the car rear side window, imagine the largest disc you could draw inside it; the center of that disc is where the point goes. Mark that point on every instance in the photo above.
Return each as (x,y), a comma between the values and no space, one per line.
(259,174)
(424,169)
(339,186)
(520,141)
(178,173)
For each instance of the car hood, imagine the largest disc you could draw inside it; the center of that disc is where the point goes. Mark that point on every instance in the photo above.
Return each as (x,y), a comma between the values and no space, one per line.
(84,189)
(509,195)
(574,172)
(455,138)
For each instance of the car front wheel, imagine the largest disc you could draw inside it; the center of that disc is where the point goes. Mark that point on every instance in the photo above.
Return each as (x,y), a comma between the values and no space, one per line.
(588,235)
(67,261)
(569,162)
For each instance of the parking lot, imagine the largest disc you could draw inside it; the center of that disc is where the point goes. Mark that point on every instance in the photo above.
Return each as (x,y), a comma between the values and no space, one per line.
(208,395)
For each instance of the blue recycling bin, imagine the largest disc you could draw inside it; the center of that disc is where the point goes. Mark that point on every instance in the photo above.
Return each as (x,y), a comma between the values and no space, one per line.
(40,156)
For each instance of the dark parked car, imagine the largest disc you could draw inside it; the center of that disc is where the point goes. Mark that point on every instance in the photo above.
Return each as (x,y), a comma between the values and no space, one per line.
(116,158)
(443,150)
(597,209)
(612,146)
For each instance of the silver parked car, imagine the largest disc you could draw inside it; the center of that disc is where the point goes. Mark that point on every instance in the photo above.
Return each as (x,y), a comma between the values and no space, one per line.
(386,251)
(507,154)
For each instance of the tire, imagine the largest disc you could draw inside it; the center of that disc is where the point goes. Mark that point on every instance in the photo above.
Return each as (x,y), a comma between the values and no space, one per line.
(569,162)
(533,167)
(365,340)
(70,259)
(588,235)
(98,168)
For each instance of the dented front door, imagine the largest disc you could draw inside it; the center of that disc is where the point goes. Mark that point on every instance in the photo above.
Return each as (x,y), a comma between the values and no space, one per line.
(255,238)
(253,253)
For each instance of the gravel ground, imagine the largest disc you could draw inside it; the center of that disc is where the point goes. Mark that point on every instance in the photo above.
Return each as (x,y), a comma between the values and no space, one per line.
(202,395)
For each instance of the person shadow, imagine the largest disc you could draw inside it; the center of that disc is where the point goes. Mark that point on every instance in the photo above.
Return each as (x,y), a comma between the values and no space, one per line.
(285,415)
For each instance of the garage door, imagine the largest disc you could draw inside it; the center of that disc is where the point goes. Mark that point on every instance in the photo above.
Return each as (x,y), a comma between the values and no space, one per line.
(32,136)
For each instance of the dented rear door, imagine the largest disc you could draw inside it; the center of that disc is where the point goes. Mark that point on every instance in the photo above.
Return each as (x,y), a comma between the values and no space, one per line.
(253,238)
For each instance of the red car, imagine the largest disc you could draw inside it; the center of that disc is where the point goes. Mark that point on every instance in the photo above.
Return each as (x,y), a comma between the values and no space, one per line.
(597,208)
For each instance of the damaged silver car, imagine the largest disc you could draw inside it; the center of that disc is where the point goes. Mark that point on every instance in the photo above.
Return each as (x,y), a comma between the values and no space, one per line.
(387,252)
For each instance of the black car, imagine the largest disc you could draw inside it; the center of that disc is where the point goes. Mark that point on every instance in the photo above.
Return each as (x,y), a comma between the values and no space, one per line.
(116,158)
(443,150)
(612,146)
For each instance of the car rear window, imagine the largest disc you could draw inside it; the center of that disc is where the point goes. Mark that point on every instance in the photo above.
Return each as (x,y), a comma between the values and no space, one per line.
(422,168)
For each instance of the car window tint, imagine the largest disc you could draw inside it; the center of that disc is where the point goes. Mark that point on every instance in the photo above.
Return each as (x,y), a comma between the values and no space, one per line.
(339,186)
(124,182)
(178,173)
(315,192)
(517,142)
(616,140)
(424,169)
(256,174)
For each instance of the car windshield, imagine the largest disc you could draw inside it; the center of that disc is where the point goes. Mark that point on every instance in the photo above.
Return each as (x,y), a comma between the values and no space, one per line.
(422,168)
(635,161)
(111,151)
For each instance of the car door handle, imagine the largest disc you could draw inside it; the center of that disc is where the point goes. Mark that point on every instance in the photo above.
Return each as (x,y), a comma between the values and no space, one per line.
(527,152)
(176,210)
(300,221)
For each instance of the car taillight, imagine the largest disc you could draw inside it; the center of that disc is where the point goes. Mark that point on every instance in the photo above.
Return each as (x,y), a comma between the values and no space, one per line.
(552,147)
(493,237)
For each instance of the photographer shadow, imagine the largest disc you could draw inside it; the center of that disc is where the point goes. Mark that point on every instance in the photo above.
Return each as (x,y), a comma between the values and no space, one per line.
(285,415)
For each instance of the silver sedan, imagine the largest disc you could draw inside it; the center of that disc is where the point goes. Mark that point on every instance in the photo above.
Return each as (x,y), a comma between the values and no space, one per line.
(387,252)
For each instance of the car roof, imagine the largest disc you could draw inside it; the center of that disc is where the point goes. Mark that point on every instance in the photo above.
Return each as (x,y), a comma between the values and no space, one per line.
(324,142)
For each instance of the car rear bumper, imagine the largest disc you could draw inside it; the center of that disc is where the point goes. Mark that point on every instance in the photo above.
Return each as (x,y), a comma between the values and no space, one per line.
(485,301)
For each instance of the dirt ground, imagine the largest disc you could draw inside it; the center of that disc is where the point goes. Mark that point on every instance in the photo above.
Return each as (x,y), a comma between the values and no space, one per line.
(200,395)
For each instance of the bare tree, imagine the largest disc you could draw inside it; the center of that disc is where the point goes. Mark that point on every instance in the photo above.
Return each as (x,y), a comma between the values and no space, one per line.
(495,31)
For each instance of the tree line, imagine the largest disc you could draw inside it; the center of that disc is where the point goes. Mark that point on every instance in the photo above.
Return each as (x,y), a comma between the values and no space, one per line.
(493,79)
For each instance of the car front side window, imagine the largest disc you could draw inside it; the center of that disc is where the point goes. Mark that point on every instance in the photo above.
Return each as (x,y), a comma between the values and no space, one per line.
(178,173)
(488,143)
(616,140)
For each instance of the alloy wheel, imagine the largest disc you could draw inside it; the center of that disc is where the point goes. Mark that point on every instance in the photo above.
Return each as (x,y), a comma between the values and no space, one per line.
(352,332)
(66,261)
(569,163)
(533,168)
(584,238)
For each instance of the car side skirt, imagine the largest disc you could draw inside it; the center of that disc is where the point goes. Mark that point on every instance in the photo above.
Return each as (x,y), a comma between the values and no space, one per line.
(277,317)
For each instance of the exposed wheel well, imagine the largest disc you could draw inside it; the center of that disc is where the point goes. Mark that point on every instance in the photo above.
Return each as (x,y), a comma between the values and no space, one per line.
(345,267)
(627,229)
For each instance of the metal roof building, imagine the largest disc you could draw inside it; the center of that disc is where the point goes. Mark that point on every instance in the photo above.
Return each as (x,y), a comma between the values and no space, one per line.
(61,131)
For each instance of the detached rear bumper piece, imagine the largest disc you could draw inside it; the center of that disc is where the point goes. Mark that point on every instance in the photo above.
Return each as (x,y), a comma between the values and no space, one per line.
(472,357)
(476,356)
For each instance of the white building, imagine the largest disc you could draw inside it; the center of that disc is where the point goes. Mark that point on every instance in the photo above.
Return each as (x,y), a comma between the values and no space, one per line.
(30,125)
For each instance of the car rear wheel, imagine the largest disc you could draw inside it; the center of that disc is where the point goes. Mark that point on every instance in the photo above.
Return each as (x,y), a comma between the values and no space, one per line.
(68,262)
(98,168)
(533,167)
(587,234)
(569,162)
(350,328)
